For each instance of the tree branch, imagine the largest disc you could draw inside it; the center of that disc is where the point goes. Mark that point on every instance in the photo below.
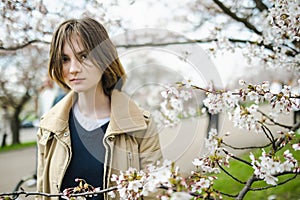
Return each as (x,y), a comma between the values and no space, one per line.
(274,122)
(260,5)
(245,148)
(237,158)
(235,17)
(244,191)
(136,45)
(265,129)
(228,195)
(230,175)
(18,193)
(271,186)
(14,48)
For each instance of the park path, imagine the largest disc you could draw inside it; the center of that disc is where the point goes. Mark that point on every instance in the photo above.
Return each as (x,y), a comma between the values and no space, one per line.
(15,165)
(181,144)
(18,164)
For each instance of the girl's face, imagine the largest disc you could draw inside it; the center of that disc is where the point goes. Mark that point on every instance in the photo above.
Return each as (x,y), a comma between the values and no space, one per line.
(80,75)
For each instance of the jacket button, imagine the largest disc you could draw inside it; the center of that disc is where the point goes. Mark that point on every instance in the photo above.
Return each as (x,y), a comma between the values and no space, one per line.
(111,138)
(66,134)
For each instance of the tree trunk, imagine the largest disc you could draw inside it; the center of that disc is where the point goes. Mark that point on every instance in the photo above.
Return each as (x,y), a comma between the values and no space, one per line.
(15,128)
(15,122)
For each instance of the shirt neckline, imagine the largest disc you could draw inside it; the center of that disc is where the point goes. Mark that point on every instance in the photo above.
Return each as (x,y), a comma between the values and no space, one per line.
(88,123)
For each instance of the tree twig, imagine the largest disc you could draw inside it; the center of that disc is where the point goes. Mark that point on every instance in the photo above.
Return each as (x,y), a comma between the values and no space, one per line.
(260,5)
(152,44)
(270,137)
(237,158)
(273,121)
(20,46)
(228,195)
(246,148)
(18,193)
(230,175)
(271,186)
(235,17)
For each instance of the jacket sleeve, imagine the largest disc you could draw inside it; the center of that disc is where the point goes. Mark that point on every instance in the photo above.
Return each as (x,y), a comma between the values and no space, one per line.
(149,145)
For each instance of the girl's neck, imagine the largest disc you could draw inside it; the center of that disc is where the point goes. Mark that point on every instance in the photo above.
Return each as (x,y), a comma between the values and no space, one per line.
(94,104)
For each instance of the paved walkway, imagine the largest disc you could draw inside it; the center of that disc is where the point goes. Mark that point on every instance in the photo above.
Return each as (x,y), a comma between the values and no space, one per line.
(14,166)
(182,148)
(18,164)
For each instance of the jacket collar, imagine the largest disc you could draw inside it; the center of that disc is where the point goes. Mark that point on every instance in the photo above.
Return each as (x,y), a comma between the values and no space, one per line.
(125,115)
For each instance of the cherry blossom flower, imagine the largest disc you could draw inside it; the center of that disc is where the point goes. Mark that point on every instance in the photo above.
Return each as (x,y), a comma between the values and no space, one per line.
(296,147)
(175,105)
(242,82)
(244,118)
(253,96)
(181,196)
(214,103)
(187,83)
(265,86)
(268,167)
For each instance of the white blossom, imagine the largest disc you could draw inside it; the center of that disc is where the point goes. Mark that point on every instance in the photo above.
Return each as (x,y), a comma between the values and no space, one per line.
(197,162)
(214,103)
(187,83)
(242,82)
(253,96)
(134,185)
(180,196)
(244,118)
(267,167)
(296,146)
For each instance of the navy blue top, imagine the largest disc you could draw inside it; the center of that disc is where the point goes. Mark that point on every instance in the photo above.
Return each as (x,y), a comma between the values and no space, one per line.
(88,153)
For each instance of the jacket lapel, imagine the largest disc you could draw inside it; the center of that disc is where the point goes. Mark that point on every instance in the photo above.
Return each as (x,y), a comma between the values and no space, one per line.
(126,116)
(57,119)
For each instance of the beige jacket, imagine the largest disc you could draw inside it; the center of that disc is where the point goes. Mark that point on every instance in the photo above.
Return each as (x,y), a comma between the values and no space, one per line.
(131,140)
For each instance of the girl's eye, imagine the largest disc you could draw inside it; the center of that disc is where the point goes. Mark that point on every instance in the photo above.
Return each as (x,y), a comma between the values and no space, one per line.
(83,57)
(65,59)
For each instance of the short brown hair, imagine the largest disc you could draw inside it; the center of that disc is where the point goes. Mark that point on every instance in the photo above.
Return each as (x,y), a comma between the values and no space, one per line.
(98,45)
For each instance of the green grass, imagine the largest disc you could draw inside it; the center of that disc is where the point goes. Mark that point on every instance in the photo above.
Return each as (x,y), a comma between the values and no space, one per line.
(226,184)
(17,146)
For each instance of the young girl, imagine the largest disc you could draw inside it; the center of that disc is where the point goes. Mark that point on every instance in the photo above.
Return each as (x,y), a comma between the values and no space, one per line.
(95,130)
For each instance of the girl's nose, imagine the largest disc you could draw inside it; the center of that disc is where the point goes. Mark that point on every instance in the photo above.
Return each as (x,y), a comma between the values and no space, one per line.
(75,66)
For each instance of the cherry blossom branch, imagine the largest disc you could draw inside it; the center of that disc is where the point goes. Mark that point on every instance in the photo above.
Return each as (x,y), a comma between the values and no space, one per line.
(273,121)
(94,193)
(18,193)
(235,17)
(270,137)
(260,5)
(237,158)
(269,131)
(246,188)
(230,175)
(246,148)
(13,48)
(228,195)
(272,186)
(151,44)
(174,190)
